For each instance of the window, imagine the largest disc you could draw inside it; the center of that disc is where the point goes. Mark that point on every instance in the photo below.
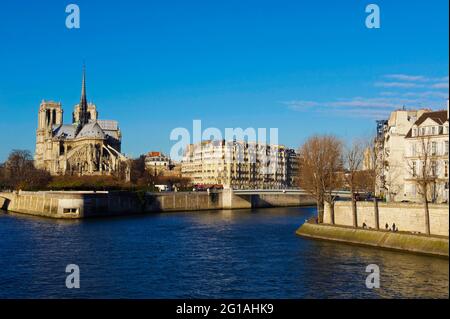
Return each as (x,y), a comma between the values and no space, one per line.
(412,189)
(446,148)
(414,132)
(445,168)
(413,149)
(433,168)
(70,211)
(414,169)
(433,148)
(433,130)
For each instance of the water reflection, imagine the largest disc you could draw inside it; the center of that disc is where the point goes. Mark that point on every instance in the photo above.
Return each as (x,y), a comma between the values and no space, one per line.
(402,275)
(210,254)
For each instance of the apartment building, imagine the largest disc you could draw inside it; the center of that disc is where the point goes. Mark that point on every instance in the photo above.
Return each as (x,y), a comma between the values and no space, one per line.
(240,165)
(427,149)
(390,153)
(157,163)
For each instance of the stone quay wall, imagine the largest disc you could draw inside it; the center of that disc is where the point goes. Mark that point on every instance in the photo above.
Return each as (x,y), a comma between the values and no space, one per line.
(94,204)
(404,242)
(408,217)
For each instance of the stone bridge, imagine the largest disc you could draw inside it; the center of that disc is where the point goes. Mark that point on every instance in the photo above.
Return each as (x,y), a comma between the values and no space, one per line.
(288,191)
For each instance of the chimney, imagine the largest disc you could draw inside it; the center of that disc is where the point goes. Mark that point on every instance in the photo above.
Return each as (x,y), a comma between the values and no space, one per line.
(447,109)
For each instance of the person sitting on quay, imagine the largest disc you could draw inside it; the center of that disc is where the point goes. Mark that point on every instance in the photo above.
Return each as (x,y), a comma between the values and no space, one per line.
(387,226)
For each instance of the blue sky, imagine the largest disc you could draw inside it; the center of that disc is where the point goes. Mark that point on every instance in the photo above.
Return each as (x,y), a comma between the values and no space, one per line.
(304,67)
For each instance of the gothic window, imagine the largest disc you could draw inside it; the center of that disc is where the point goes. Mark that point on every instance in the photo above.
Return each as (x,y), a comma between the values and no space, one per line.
(47,117)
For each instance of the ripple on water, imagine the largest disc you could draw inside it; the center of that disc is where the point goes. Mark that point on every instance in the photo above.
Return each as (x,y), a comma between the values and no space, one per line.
(220,254)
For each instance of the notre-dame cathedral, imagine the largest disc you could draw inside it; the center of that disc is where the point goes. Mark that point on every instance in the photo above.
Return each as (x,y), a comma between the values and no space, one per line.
(88,146)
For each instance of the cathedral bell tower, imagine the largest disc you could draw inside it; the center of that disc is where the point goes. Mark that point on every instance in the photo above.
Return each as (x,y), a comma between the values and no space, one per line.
(50,116)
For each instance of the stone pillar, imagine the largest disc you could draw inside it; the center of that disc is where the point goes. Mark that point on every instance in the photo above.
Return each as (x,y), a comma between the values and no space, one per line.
(376,213)
(100,160)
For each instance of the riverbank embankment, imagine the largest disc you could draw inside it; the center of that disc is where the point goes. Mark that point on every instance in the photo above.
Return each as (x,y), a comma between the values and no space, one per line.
(375,222)
(398,241)
(73,205)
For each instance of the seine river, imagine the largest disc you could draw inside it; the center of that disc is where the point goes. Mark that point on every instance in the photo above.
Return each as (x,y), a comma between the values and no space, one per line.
(217,254)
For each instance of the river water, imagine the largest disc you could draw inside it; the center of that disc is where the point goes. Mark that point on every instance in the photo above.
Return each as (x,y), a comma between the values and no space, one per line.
(214,254)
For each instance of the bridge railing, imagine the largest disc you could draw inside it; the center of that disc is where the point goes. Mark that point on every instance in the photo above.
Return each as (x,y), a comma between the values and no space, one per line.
(293,191)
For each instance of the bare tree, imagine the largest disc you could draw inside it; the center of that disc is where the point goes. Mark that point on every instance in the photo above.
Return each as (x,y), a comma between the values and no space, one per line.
(424,175)
(19,172)
(353,158)
(320,164)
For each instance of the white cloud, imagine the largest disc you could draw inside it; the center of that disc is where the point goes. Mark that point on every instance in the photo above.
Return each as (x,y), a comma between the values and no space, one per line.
(428,93)
(300,105)
(442,85)
(406,77)
(405,85)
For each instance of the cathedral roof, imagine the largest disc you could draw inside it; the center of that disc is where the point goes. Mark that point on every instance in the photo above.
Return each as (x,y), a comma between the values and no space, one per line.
(65,131)
(91,129)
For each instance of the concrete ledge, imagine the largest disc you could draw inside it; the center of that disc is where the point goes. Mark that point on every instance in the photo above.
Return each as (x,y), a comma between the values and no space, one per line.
(72,205)
(418,244)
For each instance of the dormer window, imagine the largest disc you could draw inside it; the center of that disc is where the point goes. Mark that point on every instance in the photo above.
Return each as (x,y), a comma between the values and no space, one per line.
(422,131)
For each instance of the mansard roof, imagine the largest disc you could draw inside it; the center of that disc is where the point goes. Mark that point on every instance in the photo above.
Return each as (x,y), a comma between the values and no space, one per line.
(440,117)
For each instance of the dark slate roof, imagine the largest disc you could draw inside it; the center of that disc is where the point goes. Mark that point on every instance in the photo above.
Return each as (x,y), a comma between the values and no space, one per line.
(91,130)
(65,131)
(440,117)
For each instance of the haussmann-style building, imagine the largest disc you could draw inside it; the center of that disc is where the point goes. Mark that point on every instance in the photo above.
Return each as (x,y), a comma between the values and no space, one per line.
(240,165)
(408,143)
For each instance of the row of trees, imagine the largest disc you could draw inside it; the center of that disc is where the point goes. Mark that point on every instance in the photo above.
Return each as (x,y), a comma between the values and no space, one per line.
(19,172)
(326,164)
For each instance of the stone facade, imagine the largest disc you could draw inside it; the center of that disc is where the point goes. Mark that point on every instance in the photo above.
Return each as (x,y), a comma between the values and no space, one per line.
(88,146)
(240,165)
(426,155)
(390,153)
(406,216)
(156,163)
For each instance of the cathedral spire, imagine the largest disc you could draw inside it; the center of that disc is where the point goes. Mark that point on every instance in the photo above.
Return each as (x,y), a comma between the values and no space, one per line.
(84,115)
